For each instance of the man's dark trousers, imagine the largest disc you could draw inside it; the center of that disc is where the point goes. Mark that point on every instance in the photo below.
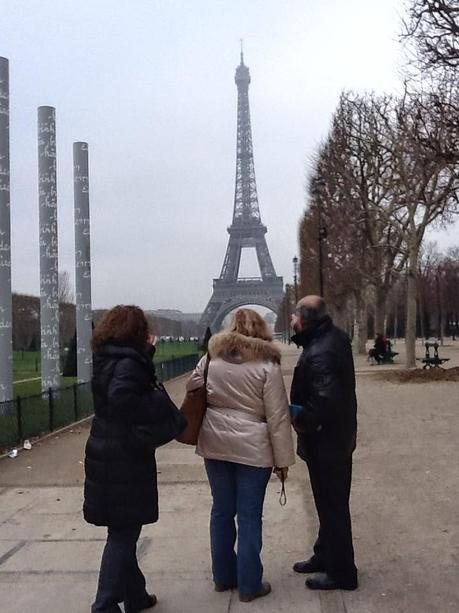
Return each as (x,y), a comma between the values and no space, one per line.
(333,550)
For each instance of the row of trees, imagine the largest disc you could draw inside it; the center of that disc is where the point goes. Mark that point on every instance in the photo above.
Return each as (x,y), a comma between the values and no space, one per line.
(387,171)
(26,321)
(438,293)
(437,302)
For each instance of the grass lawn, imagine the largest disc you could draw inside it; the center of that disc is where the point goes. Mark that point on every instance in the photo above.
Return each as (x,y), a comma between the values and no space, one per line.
(30,388)
(169,350)
(26,364)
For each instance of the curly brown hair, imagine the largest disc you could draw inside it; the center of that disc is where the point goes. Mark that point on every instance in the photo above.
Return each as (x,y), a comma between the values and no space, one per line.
(125,324)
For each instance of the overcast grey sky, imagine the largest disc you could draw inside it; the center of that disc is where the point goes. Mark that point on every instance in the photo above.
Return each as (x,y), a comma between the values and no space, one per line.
(150,85)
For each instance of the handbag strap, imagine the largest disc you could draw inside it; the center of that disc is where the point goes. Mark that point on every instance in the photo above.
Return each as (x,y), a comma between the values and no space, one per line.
(283,495)
(206,369)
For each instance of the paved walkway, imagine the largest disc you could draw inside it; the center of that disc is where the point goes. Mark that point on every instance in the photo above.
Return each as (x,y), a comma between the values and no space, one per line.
(404,504)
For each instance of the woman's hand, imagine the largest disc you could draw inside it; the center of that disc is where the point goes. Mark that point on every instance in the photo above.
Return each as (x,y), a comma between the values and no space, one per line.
(281,473)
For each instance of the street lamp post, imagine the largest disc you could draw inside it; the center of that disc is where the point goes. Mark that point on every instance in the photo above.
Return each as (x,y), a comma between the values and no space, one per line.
(286,312)
(295,277)
(317,186)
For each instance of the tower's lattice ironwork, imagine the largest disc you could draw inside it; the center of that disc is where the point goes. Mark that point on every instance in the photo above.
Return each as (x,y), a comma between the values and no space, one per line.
(246,231)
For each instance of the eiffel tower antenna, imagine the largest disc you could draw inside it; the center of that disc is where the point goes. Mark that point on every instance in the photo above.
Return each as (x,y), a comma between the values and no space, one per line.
(242,50)
(246,230)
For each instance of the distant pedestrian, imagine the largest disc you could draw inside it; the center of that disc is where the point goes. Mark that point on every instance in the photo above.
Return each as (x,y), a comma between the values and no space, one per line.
(381,349)
(324,385)
(133,415)
(246,432)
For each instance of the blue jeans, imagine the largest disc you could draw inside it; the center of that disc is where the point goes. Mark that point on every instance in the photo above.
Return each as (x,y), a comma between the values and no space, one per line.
(237,490)
(120,578)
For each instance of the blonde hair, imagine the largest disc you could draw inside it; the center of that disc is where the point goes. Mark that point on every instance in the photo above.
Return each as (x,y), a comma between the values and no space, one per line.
(250,323)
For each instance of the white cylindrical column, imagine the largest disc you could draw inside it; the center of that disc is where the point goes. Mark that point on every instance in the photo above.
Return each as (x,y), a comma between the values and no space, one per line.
(6,336)
(82,261)
(49,278)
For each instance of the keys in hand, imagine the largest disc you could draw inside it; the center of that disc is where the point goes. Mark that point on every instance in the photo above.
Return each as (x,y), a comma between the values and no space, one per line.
(281,473)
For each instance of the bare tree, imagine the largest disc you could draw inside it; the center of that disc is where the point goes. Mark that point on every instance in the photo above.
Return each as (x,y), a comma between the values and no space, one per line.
(438,291)
(67,322)
(364,243)
(285,311)
(429,257)
(65,292)
(426,189)
(431,34)
(432,26)
(447,278)
(364,164)
(26,322)
(338,271)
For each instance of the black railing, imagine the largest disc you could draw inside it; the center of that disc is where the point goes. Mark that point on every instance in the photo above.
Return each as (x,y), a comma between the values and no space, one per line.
(30,416)
(168,369)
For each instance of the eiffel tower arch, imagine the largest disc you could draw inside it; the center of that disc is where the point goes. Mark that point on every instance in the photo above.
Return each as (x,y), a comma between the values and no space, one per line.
(246,231)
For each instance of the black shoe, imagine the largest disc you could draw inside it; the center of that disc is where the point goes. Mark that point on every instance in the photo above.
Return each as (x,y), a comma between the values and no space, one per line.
(309,566)
(149,601)
(323,581)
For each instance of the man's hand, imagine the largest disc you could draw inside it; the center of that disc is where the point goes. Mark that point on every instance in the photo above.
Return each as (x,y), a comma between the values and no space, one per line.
(281,473)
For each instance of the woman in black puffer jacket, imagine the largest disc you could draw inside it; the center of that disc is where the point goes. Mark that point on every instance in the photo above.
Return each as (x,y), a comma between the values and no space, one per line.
(132,417)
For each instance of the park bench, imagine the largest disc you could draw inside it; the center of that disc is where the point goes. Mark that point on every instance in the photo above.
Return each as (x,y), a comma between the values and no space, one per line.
(432,361)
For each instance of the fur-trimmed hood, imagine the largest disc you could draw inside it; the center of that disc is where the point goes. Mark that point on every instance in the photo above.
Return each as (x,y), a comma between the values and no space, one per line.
(235,347)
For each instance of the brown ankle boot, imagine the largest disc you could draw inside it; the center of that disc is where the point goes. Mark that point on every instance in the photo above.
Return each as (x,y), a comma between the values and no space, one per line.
(263,591)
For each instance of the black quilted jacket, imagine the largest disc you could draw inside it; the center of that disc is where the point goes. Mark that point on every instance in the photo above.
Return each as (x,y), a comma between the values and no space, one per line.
(324,384)
(120,486)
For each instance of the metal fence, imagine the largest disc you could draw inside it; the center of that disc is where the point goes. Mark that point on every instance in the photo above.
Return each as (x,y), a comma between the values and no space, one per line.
(168,369)
(30,416)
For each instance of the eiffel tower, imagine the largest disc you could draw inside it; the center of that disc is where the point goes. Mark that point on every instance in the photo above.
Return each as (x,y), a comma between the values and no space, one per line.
(246,230)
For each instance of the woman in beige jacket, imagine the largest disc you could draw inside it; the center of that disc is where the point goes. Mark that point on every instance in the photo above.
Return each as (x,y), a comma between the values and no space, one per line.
(246,432)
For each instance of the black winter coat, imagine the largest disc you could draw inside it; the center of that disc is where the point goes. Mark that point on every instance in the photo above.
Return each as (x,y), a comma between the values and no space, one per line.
(120,486)
(324,384)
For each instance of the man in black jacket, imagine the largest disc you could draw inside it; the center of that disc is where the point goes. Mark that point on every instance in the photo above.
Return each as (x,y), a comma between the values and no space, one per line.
(324,385)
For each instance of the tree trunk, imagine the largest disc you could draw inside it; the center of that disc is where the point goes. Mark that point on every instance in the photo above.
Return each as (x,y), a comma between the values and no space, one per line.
(380,309)
(411,291)
(360,324)
(339,316)
(439,310)
(443,320)
(420,308)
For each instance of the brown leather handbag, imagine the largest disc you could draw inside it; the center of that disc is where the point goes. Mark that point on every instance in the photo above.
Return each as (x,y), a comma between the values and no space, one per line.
(193,410)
